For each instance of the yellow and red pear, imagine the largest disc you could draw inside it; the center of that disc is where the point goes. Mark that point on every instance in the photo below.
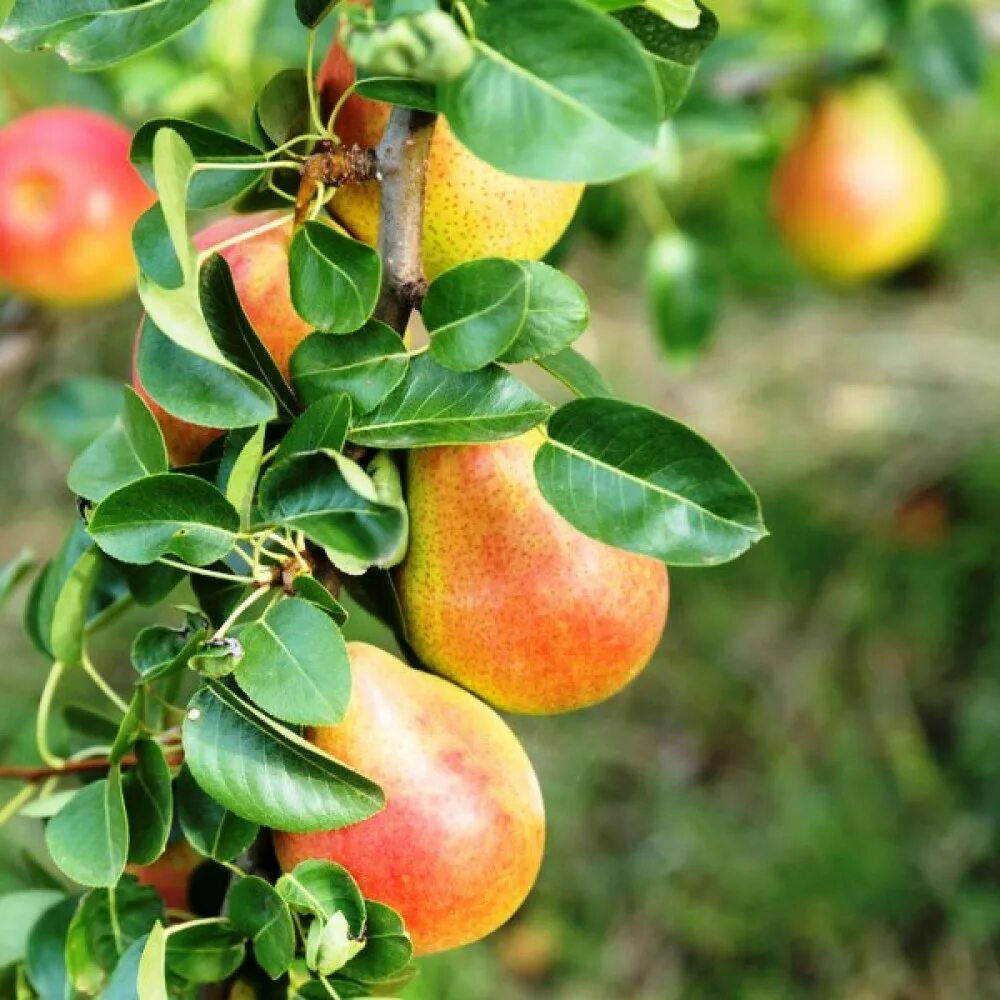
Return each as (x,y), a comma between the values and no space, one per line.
(860,193)
(259,265)
(471,209)
(505,597)
(459,844)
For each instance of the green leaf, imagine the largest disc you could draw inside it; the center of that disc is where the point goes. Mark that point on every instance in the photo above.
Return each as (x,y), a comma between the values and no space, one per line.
(93,34)
(388,948)
(334,503)
(69,614)
(585,109)
(323,889)
(366,365)
(295,664)
(204,951)
(88,839)
(183,368)
(241,481)
(233,332)
(433,405)
(196,389)
(173,168)
(311,590)
(19,912)
(576,373)
(947,51)
(169,513)
(124,980)
(323,425)
(159,652)
(149,803)
(684,295)
(71,413)
(208,145)
(311,12)
(557,313)
(672,51)
(130,728)
(640,481)
(154,250)
(265,772)
(45,954)
(335,281)
(282,110)
(152,979)
(475,311)
(255,908)
(106,923)
(209,827)
(399,91)
(130,449)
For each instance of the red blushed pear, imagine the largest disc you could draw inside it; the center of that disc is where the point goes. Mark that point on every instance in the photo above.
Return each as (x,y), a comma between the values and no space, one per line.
(860,193)
(68,200)
(170,874)
(459,844)
(259,266)
(505,597)
(471,210)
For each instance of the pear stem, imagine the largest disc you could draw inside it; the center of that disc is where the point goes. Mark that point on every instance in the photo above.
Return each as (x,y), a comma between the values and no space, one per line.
(402,159)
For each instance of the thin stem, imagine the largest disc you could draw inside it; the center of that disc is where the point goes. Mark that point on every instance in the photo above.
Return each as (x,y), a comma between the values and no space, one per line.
(42,719)
(320,201)
(278,223)
(201,571)
(13,806)
(102,685)
(256,165)
(311,82)
(466,18)
(305,137)
(331,122)
(235,869)
(247,602)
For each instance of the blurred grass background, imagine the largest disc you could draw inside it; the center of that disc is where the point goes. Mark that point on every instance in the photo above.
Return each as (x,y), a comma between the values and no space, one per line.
(800,797)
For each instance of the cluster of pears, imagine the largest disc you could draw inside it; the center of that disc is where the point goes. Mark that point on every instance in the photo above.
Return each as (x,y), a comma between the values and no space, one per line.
(860,193)
(511,607)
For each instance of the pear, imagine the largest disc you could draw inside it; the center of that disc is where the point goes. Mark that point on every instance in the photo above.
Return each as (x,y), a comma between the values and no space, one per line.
(471,210)
(860,193)
(502,595)
(459,844)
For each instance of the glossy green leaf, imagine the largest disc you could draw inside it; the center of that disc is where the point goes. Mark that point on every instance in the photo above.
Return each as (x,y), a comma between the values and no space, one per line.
(311,12)
(106,923)
(170,513)
(388,948)
(265,772)
(159,652)
(334,503)
(124,980)
(335,280)
(209,827)
(93,34)
(243,454)
(311,590)
(88,839)
(45,953)
(557,313)
(576,373)
(130,728)
(640,481)
(154,251)
(475,311)
(433,405)
(149,803)
(323,425)
(295,664)
(256,908)
(19,912)
(69,614)
(947,50)
(152,979)
(204,951)
(71,413)
(367,365)
(282,111)
(684,295)
(130,449)
(208,145)
(323,889)
(585,109)
(673,51)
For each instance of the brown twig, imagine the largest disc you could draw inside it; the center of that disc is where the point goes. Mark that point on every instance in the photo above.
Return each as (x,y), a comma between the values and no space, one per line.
(32,774)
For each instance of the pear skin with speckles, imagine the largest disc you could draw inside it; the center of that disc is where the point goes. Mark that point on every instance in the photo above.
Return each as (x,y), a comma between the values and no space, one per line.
(459,844)
(471,209)
(860,193)
(503,596)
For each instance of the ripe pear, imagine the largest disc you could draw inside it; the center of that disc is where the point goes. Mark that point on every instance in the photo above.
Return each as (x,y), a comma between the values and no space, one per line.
(860,193)
(471,210)
(259,266)
(503,596)
(68,200)
(459,844)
